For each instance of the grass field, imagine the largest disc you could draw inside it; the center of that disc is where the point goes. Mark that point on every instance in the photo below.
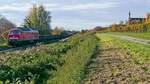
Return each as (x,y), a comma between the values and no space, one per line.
(136,35)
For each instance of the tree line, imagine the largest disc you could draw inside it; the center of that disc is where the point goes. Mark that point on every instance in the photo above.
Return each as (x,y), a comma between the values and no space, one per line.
(138,27)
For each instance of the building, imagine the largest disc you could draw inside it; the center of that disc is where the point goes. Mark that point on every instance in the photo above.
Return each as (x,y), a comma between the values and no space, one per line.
(136,20)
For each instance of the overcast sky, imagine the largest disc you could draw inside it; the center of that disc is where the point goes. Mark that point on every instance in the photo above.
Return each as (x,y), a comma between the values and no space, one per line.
(77,14)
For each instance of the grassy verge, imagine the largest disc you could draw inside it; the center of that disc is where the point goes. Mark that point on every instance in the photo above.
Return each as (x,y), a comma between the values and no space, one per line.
(139,52)
(75,60)
(4,46)
(136,35)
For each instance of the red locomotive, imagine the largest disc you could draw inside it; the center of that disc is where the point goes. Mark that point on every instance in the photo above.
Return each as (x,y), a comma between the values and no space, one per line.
(18,36)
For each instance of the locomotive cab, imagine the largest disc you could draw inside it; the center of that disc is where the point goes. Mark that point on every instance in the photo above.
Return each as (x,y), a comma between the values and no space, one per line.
(14,35)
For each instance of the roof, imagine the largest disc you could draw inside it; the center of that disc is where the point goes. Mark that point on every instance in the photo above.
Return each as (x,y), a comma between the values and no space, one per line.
(137,18)
(25,29)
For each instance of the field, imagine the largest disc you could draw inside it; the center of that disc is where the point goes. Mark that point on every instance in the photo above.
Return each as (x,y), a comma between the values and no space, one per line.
(85,58)
(39,64)
(119,62)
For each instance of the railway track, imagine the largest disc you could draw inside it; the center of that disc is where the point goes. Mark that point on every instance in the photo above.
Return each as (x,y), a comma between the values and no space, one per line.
(11,49)
(23,47)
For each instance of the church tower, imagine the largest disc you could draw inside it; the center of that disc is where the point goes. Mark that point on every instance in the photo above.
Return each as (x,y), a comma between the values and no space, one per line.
(129,15)
(129,18)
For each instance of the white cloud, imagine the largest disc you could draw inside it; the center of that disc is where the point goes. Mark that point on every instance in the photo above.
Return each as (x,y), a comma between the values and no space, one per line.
(58,7)
(15,7)
(22,7)
(88,6)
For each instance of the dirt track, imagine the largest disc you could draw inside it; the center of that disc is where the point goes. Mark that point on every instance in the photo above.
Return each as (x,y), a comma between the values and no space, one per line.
(112,66)
(132,39)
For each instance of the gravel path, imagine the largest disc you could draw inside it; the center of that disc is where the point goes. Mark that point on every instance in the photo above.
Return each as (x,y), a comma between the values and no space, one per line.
(132,39)
(113,66)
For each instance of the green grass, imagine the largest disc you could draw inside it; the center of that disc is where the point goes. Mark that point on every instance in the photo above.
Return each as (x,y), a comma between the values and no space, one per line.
(139,52)
(145,35)
(4,46)
(75,60)
(2,40)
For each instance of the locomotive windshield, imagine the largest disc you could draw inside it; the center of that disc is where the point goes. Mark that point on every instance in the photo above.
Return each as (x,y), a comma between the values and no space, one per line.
(15,32)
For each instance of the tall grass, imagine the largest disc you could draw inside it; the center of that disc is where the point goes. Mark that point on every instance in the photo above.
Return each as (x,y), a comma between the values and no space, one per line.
(75,60)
